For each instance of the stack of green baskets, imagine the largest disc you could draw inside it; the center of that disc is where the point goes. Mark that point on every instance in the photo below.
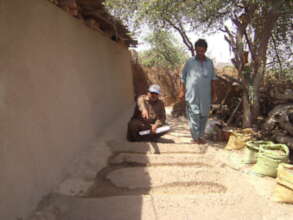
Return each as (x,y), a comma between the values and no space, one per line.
(269,157)
(252,149)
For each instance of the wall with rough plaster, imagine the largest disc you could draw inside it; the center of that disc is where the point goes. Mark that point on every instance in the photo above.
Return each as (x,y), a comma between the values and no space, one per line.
(61,83)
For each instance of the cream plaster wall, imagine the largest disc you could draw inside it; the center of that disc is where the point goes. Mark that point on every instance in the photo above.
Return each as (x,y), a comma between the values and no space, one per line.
(60,84)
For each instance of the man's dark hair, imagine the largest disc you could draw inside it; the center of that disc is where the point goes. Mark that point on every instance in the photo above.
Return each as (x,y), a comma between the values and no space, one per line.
(201,43)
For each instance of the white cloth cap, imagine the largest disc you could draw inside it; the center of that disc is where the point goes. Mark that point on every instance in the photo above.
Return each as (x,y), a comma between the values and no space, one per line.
(155,88)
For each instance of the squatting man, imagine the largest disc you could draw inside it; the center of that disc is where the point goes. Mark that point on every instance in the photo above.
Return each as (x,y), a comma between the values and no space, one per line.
(149,115)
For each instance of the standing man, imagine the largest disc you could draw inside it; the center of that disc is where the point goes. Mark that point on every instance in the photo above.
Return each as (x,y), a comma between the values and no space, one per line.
(198,88)
(149,114)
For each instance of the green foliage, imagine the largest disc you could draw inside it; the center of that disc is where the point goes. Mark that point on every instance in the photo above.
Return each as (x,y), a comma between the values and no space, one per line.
(158,15)
(163,52)
(276,75)
(185,16)
(288,74)
(280,53)
(167,13)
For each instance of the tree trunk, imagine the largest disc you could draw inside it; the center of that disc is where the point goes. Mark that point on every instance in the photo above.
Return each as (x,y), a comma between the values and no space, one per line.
(257,43)
(246,120)
(263,32)
(255,107)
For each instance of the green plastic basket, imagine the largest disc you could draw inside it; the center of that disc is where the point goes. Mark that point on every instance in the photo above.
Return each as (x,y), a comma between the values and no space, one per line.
(252,149)
(274,151)
(269,158)
(255,145)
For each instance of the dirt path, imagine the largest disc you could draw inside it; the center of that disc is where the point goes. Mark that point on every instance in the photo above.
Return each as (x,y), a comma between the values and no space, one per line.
(169,180)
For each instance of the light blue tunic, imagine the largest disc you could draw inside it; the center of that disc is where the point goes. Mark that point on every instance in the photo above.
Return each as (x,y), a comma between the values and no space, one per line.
(197,76)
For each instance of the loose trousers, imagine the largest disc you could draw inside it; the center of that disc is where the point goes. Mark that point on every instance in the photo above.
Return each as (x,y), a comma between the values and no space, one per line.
(135,126)
(197,123)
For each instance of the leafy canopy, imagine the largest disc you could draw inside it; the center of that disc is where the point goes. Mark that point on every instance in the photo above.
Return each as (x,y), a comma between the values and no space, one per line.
(197,16)
(164,51)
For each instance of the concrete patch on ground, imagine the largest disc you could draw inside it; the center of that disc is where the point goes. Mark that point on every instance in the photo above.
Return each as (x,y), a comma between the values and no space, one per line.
(157,159)
(146,177)
(164,207)
(152,147)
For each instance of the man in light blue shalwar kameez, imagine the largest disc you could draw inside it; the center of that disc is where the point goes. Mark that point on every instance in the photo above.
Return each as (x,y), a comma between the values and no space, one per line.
(198,88)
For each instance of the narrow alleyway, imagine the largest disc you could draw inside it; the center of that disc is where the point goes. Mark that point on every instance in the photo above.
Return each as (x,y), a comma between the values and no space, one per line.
(169,180)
